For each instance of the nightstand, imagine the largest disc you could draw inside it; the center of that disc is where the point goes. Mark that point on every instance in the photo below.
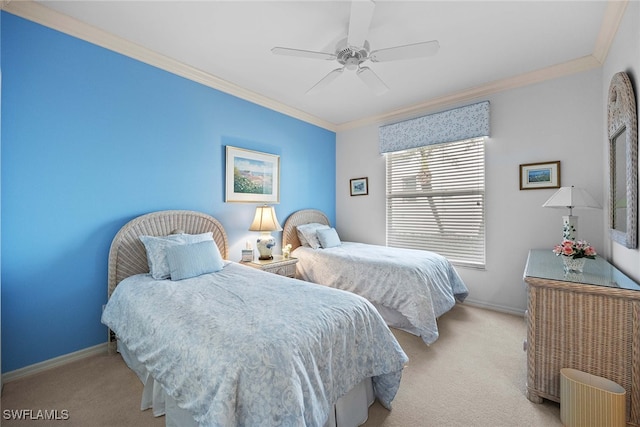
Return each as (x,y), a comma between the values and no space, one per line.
(278,265)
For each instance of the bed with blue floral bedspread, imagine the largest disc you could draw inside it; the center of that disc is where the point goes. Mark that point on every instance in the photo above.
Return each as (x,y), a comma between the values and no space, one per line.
(243,347)
(411,288)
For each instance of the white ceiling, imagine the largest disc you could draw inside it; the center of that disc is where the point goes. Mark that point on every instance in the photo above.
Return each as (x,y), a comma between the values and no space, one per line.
(484,45)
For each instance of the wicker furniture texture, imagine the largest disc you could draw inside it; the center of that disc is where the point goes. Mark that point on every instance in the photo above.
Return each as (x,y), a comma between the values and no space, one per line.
(622,127)
(589,322)
(305,216)
(127,255)
(278,265)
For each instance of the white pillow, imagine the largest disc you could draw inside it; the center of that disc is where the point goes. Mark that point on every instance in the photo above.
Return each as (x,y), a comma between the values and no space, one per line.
(329,238)
(157,246)
(194,259)
(308,234)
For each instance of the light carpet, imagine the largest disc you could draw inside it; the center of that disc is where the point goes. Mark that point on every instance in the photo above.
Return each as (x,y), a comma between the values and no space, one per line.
(473,375)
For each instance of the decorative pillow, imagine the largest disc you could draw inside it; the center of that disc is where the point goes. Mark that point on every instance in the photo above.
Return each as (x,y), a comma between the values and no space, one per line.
(303,241)
(307,233)
(329,238)
(156,250)
(194,259)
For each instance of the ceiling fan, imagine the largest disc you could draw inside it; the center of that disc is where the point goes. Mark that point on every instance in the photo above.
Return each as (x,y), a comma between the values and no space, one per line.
(352,51)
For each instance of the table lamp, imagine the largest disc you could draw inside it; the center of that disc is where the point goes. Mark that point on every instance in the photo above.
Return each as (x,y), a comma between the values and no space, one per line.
(265,222)
(571,197)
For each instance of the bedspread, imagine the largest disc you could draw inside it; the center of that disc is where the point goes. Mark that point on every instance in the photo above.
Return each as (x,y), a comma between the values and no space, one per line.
(243,347)
(421,285)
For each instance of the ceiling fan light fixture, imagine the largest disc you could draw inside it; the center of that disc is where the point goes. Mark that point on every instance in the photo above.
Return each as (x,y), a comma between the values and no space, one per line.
(352,51)
(352,63)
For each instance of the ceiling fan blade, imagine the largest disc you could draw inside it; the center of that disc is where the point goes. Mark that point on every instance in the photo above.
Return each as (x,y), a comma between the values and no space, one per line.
(408,51)
(372,80)
(359,22)
(325,81)
(302,53)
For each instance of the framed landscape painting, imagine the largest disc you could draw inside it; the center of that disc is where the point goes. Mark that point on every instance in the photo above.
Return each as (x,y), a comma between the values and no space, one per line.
(540,175)
(252,176)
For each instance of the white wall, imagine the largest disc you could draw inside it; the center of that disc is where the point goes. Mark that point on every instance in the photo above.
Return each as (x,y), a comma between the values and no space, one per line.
(624,55)
(561,120)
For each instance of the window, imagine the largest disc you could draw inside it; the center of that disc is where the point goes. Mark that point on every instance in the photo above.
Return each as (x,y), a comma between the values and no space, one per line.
(435,200)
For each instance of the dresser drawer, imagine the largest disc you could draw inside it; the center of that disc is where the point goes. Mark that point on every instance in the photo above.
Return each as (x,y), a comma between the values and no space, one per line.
(288,270)
(277,265)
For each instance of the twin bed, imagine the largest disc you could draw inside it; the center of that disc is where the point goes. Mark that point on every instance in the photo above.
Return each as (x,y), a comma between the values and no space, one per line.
(217,343)
(228,345)
(410,288)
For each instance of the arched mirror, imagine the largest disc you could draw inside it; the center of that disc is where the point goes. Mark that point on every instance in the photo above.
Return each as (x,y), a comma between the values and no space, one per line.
(623,161)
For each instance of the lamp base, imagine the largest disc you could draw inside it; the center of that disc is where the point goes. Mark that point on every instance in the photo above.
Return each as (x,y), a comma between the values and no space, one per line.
(265,244)
(569,227)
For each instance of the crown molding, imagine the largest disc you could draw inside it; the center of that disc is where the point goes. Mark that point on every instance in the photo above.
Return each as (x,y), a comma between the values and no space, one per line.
(473,94)
(42,15)
(610,23)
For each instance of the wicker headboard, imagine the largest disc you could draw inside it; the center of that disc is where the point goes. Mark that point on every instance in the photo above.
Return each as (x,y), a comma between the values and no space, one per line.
(305,216)
(128,256)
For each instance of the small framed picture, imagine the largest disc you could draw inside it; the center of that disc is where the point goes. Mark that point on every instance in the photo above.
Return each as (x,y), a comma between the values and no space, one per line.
(535,176)
(359,186)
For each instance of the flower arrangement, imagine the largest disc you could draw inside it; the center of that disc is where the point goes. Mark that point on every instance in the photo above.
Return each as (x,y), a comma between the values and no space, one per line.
(575,249)
(286,251)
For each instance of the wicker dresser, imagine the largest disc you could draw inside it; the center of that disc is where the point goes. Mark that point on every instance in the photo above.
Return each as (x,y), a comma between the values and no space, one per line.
(587,321)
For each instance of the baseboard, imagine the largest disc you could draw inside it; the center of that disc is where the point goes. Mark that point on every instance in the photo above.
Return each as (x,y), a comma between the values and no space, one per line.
(103,348)
(494,307)
(53,363)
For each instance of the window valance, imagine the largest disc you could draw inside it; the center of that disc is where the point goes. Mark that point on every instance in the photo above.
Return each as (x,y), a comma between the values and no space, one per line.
(462,123)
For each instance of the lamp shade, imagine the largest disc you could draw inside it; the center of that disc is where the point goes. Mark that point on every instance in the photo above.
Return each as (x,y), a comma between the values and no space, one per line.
(571,197)
(265,219)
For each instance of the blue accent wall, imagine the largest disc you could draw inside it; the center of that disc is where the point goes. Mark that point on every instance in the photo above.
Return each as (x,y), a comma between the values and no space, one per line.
(92,139)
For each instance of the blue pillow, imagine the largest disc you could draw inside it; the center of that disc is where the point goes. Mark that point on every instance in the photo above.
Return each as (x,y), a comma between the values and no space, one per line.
(156,248)
(329,238)
(194,259)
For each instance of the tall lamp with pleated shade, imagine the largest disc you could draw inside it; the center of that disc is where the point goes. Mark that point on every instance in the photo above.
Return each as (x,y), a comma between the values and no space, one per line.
(570,198)
(265,222)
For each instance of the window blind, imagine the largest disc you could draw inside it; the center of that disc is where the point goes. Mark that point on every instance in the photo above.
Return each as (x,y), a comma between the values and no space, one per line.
(435,200)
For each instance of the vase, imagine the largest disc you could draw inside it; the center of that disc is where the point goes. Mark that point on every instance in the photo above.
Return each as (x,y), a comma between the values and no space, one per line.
(265,244)
(575,265)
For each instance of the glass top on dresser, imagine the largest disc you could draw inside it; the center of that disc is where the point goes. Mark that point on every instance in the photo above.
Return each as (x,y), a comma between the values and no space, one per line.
(544,264)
